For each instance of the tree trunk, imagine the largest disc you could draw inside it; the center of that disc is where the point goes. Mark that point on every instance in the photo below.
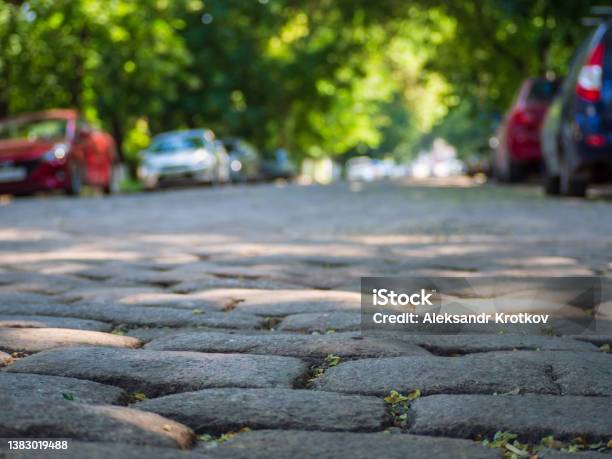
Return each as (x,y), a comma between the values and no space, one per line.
(117,131)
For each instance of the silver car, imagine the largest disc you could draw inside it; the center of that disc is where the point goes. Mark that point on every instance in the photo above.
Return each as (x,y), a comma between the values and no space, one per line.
(184,155)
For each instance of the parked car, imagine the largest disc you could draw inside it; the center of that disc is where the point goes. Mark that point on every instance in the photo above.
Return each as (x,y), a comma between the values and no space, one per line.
(577,133)
(278,166)
(245,160)
(191,155)
(362,169)
(517,146)
(54,150)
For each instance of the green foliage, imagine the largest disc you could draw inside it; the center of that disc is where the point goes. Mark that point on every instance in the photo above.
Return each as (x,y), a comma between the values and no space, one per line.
(330,360)
(138,397)
(321,78)
(513,449)
(399,406)
(208,438)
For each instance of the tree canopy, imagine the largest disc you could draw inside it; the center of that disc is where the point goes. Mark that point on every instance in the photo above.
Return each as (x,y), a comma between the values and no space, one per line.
(317,77)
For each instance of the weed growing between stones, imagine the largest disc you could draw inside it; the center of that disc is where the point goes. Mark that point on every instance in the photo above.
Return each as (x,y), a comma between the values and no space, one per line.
(120,329)
(271,322)
(20,354)
(399,406)
(138,397)
(319,370)
(513,449)
(547,330)
(208,438)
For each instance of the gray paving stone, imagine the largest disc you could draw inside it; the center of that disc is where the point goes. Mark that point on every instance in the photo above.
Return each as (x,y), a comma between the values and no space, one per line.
(222,410)
(532,417)
(124,274)
(465,344)
(40,339)
(228,271)
(285,302)
(95,450)
(140,315)
(321,322)
(280,444)
(36,418)
(5,359)
(211,282)
(103,293)
(476,373)
(164,299)
(53,388)
(577,373)
(312,346)
(147,334)
(597,340)
(21,321)
(18,298)
(40,284)
(322,279)
(158,373)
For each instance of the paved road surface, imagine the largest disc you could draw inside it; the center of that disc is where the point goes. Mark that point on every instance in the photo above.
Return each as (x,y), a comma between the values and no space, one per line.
(135,324)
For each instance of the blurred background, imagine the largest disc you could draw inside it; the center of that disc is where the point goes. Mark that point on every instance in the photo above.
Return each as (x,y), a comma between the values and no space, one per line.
(325,83)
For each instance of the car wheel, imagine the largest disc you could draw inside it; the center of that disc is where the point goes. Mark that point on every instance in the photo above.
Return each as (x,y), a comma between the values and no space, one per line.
(552,185)
(76,180)
(570,184)
(514,172)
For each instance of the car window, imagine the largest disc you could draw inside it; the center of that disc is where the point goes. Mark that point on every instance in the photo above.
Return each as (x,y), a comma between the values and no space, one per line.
(542,91)
(47,129)
(177,143)
(578,58)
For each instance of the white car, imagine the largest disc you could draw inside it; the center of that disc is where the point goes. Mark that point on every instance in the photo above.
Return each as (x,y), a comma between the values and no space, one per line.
(361,168)
(184,155)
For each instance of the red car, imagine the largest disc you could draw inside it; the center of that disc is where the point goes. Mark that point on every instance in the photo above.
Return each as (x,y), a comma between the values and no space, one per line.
(518,138)
(54,150)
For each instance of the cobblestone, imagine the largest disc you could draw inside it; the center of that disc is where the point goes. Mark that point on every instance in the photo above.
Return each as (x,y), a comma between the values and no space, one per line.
(313,346)
(56,388)
(20,321)
(533,417)
(472,374)
(157,373)
(65,419)
(39,339)
(248,300)
(223,410)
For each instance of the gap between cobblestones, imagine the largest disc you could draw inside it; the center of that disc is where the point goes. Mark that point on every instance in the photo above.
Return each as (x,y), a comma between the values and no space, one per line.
(549,371)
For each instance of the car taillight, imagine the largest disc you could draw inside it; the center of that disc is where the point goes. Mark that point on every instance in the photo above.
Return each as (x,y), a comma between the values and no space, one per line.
(595,140)
(589,78)
(525,118)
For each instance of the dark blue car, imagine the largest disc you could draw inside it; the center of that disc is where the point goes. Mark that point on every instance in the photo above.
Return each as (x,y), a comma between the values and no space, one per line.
(577,134)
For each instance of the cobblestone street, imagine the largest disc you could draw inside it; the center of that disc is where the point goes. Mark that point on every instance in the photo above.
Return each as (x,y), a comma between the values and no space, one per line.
(226,321)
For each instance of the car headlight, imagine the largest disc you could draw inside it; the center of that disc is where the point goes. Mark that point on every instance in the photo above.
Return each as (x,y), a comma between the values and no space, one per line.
(203,157)
(56,153)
